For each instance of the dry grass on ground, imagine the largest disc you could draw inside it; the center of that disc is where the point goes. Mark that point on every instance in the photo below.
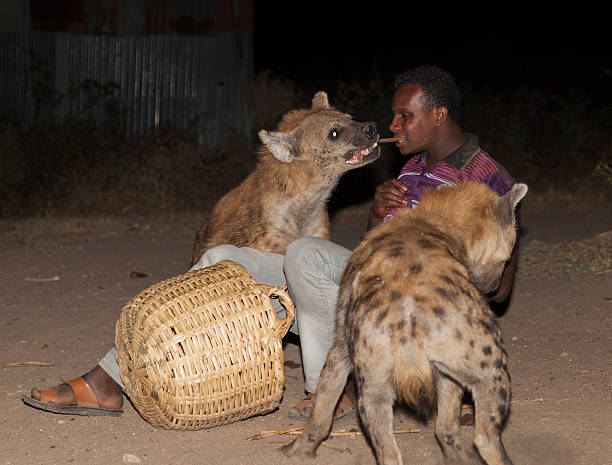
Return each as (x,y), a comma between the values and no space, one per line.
(592,255)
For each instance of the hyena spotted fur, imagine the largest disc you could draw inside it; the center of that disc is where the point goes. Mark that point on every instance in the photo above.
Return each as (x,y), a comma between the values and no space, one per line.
(413,324)
(286,196)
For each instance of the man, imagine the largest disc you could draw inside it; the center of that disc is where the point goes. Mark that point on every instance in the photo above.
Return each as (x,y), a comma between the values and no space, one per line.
(426,106)
(426,115)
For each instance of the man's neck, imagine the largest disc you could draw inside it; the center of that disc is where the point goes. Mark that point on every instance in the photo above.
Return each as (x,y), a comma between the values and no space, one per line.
(447,145)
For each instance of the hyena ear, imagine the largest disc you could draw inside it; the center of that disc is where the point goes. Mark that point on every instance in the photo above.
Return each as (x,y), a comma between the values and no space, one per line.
(508,202)
(283,145)
(320,102)
(517,193)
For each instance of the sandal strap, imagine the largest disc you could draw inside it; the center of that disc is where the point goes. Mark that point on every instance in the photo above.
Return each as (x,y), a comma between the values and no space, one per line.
(83,393)
(344,406)
(306,402)
(346,403)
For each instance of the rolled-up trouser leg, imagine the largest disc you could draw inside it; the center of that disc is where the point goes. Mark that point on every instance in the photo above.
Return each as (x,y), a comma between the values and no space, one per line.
(109,364)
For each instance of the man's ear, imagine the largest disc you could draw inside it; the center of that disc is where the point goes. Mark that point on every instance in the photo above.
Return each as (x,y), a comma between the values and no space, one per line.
(320,101)
(440,115)
(283,145)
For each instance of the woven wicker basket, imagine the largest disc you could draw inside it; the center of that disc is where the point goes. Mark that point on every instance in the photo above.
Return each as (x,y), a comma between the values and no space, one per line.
(203,349)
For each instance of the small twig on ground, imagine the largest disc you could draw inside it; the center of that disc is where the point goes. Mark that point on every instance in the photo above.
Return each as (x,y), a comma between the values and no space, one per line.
(540,399)
(43,280)
(27,364)
(359,433)
(297,431)
(264,433)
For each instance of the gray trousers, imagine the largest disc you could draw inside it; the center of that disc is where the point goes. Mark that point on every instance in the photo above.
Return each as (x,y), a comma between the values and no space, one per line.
(311,269)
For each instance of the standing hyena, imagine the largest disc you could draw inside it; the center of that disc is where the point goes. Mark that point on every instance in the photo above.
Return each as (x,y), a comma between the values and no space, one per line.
(285,197)
(413,324)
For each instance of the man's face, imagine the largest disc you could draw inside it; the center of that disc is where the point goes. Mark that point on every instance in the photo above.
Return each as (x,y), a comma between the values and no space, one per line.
(411,120)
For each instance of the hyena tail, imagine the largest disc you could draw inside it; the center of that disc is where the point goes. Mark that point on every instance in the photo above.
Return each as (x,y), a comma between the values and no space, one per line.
(414,384)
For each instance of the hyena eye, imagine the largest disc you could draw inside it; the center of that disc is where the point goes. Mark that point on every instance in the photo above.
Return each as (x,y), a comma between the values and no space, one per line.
(334,133)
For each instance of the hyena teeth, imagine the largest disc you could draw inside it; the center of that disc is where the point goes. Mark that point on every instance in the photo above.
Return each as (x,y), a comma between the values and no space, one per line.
(357,157)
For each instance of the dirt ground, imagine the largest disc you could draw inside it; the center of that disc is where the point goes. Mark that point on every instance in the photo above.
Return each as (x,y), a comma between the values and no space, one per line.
(62,295)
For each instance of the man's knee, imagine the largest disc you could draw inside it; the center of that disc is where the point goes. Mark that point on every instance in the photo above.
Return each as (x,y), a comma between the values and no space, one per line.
(303,251)
(215,255)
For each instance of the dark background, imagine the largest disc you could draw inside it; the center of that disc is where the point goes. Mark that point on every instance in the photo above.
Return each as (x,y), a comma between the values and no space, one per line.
(508,47)
(536,87)
(536,81)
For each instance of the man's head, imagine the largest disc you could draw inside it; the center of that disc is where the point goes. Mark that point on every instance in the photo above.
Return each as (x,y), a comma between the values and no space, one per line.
(426,107)
(438,87)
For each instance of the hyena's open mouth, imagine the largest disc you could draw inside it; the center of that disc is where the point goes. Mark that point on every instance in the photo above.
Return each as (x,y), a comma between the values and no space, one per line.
(358,157)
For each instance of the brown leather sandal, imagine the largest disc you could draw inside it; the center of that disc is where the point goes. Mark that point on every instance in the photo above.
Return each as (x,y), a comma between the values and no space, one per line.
(303,409)
(86,401)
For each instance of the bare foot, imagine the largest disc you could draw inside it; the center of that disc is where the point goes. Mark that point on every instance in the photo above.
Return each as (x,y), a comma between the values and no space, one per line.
(106,390)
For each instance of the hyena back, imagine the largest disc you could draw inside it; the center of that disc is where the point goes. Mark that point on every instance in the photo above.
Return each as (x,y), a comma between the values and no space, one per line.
(412,323)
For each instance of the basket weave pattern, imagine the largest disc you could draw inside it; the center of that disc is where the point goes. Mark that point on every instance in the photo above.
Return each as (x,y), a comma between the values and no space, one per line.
(203,349)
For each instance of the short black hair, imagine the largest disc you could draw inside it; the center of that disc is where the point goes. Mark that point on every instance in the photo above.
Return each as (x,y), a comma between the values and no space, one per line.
(438,86)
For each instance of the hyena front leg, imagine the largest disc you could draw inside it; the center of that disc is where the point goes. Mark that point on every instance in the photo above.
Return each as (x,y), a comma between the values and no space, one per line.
(449,395)
(329,388)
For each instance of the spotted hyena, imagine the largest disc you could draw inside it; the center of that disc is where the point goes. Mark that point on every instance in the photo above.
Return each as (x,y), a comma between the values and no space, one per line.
(285,197)
(413,323)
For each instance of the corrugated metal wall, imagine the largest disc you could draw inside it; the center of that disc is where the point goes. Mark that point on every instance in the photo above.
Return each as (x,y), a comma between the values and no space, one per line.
(189,81)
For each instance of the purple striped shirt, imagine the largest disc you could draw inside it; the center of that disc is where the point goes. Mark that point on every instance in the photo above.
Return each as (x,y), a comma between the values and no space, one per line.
(469,163)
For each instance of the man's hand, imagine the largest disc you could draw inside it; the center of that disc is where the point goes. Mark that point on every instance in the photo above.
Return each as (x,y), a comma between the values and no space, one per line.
(389,194)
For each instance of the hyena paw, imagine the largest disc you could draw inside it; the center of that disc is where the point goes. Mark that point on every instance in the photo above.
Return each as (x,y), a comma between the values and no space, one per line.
(469,459)
(298,449)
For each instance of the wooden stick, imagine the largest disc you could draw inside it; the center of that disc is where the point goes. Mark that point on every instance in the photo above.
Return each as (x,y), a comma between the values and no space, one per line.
(264,434)
(358,433)
(297,431)
(390,139)
(541,399)
(43,280)
(335,434)
(27,364)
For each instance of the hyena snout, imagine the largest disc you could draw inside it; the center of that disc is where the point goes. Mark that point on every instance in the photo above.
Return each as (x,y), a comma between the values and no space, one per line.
(487,278)
(370,131)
